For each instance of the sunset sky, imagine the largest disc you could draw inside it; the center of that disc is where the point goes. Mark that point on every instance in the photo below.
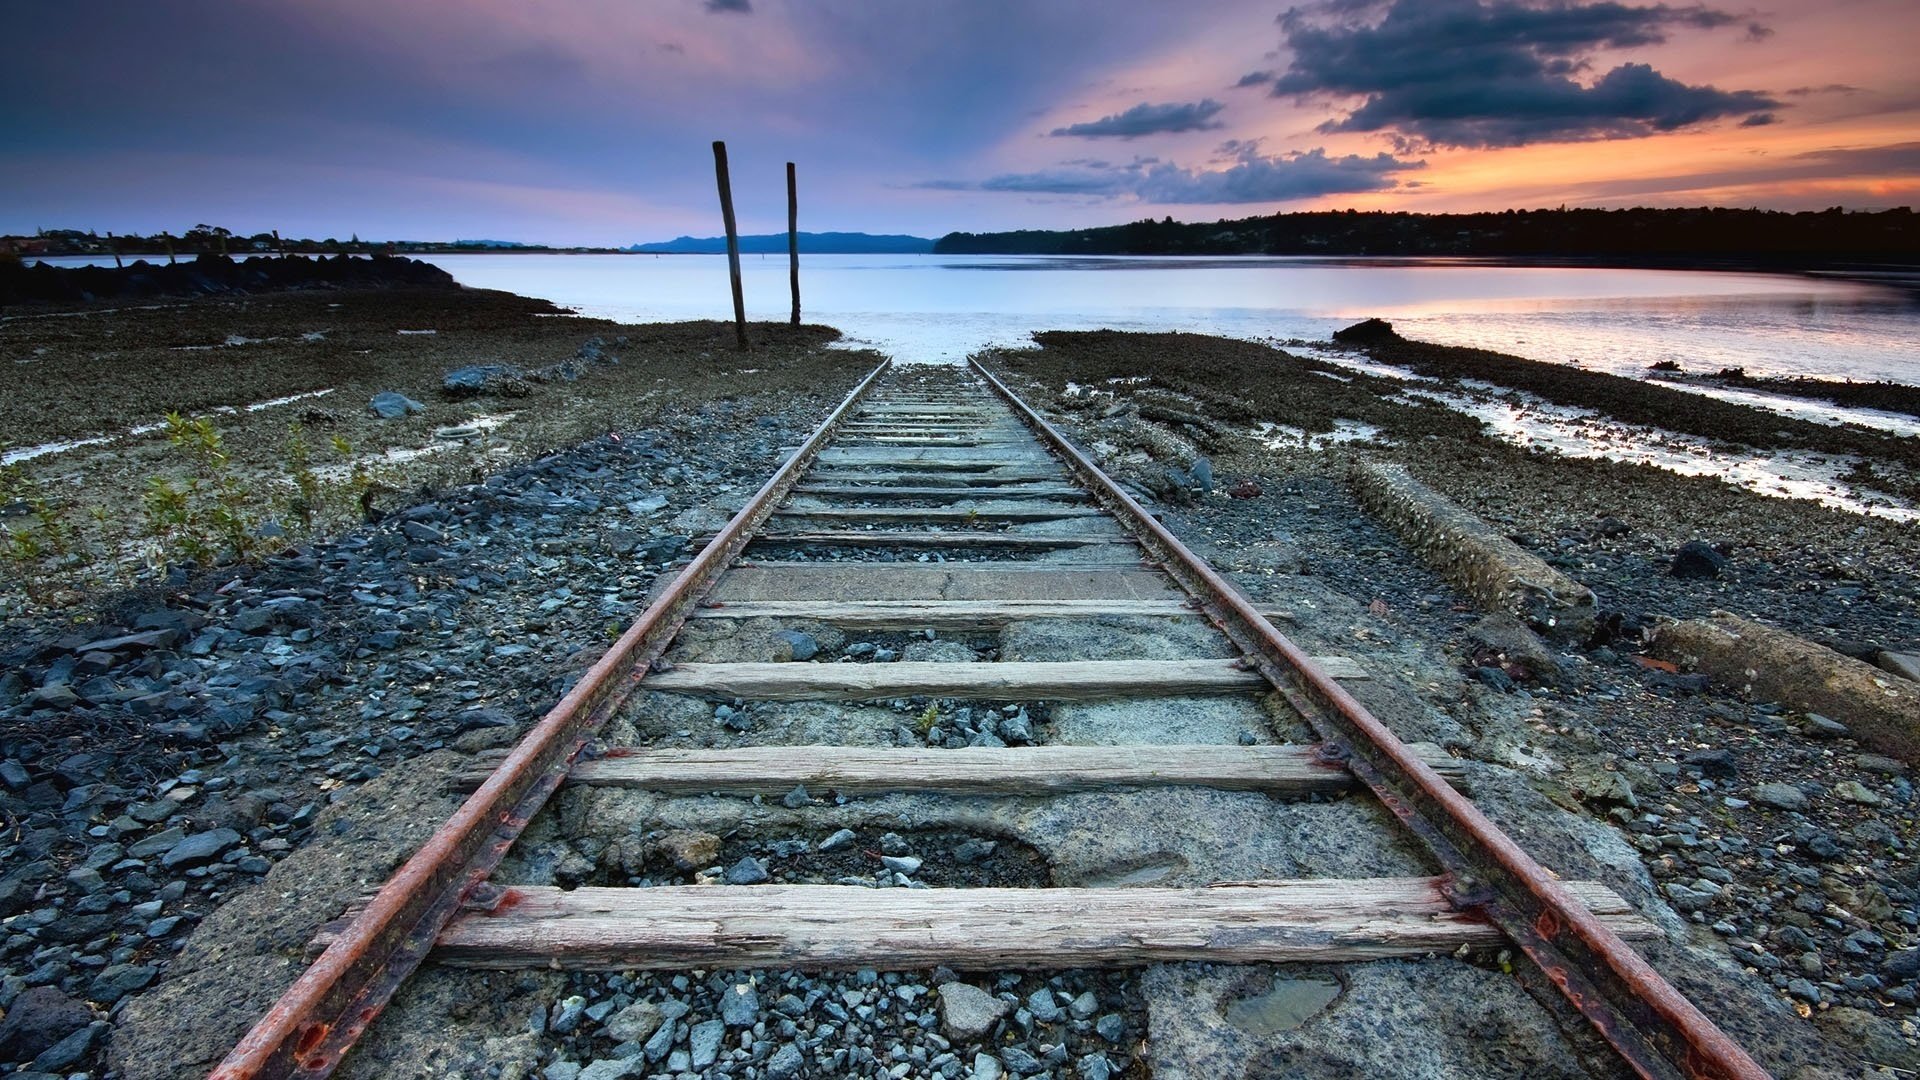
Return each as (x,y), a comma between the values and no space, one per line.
(589,121)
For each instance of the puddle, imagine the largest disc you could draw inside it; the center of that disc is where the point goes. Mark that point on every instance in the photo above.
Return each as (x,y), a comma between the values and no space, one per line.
(1288,1004)
(28,453)
(1527,421)
(1281,436)
(414,332)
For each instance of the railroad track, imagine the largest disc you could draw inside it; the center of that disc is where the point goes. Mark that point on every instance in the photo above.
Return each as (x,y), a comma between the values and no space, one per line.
(934,508)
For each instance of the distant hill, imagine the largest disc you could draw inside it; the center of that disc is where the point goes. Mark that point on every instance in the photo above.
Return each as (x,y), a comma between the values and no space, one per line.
(824,243)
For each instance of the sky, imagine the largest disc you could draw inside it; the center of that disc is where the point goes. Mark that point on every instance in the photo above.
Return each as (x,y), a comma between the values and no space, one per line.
(590,122)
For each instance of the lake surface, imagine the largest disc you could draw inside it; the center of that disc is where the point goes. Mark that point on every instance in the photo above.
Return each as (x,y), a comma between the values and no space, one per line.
(941,308)
(936,307)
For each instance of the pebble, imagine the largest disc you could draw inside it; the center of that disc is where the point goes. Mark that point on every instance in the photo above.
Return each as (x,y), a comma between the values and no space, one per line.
(740,1005)
(968,1012)
(1780,796)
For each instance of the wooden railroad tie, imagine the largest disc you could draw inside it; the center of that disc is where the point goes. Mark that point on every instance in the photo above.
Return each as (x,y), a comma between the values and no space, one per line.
(1287,771)
(841,927)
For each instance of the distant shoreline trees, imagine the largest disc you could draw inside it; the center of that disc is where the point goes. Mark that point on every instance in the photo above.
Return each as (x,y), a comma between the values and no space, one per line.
(1639,235)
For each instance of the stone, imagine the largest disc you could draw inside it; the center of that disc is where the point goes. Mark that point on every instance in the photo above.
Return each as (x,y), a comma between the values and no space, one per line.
(1094,1067)
(41,1017)
(1717,763)
(68,1051)
(607,1069)
(635,1023)
(120,980)
(796,798)
(785,1063)
(901,864)
(1821,727)
(740,1005)
(1020,1060)
(987,1067)
(1367,332)
(476,379)
(662,1041)
(797,645)
(1504,642)
(690,849)
(1904,664)
(1780,796)
(1084,1006)
(200,849)
(1856,792)
(841,839)
(705,1041)
(968,1012)
(391,405)
(1697,559)
(1111,1027)
(748,871)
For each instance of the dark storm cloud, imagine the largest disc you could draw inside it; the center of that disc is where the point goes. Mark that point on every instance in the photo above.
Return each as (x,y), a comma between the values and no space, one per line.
(1501,73)
(1145,119)
(738,7)
(1251,178)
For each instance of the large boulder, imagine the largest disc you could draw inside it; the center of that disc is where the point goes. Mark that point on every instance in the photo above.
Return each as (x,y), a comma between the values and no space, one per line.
(475,380)
(1367,332)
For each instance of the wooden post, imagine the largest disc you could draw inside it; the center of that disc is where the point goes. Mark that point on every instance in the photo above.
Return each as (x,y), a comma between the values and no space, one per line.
(279,245)
(733,242)
(793,240)
(114,246)
(168,238)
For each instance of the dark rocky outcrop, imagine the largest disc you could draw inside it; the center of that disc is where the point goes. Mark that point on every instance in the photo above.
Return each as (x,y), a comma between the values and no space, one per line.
(209,275)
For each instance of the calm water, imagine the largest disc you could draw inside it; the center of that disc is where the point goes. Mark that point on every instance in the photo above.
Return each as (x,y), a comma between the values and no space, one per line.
(936,307)
(933,307)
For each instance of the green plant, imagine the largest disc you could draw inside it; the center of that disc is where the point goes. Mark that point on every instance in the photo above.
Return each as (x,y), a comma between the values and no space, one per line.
(41,546)
(927,718)
(309,494)
(205,515)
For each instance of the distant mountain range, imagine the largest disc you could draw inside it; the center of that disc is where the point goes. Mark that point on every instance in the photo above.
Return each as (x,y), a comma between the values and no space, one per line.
(822,243)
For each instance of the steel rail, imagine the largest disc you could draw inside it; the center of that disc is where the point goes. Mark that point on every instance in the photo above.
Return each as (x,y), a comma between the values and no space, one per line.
(1650,1024)
(320,1016)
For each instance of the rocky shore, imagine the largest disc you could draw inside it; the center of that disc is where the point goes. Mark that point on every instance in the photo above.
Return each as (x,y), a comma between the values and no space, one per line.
(1779,840)
(39,284)
(162,748)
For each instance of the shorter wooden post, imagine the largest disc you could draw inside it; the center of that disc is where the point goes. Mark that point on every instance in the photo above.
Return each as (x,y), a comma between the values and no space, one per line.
(733,242)
(793,240)
(279,246)
(113,245)
(168,238)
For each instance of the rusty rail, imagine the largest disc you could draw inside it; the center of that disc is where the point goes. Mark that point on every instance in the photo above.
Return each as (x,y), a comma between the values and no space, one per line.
(1653,1027)
(322,1014)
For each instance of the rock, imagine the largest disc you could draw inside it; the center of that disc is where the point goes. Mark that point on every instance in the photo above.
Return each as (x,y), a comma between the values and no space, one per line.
(1856,792)
(391,405)
(561,1070)
(608,1069)
(901,864)
(1200,474)
(41,1017)
(798,645)
(1821,727)
(705,1041)
(1503,641)
(968,1012)
(1902,965)
(796,798)
(1246,489)
(1084,1006)
(1111,1027)
(1698,559)
(689,849)
(987,1067)
(662,1041)
(1094,1067)
(740,1005)
(841,839)
(785,1063)
(635,1023)
(1904,664)
(748,871)
(1780,796)
(1717,763)
(1597,785)
(68,1051)
(120,980)
(1019,1060)
(1367,332)
(200,849)
(1041,1004)
(476,379)
(972,850)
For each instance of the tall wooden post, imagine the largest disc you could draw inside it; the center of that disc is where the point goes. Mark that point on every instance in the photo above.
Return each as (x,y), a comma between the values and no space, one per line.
(168,237)
(733,242)
(114,246)
(279,246)
(793,240)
